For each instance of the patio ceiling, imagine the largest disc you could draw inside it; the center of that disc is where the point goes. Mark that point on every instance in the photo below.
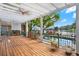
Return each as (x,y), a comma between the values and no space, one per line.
(11,12)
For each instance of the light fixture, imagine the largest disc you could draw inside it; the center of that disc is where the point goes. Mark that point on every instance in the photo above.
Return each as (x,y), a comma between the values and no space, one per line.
(23,11)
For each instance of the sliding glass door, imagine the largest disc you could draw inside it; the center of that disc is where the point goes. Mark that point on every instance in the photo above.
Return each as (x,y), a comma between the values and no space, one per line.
(5,30)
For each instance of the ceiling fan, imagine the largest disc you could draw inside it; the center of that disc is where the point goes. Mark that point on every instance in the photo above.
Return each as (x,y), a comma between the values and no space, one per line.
(23,11)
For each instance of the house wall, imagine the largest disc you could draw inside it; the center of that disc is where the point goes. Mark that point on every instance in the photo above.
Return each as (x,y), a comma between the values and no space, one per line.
(16,26)
(16,29)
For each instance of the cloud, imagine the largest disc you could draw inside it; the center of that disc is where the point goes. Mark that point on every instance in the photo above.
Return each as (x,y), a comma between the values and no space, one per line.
(64,20)
(74,15)
(72,9)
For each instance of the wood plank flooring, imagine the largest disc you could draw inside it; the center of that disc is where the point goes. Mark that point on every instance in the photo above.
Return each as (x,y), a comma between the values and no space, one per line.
(21,46)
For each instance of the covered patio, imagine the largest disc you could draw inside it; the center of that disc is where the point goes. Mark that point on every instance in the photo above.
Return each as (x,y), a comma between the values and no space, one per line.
(14,15)
(20,46)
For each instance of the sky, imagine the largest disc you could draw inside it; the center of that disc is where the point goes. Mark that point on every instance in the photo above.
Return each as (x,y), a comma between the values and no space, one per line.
(67,17)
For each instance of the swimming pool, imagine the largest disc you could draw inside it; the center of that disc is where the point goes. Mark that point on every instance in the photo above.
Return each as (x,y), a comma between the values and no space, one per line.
(62,42)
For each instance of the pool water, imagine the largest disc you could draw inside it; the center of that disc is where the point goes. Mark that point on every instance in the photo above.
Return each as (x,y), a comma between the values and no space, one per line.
(62,42)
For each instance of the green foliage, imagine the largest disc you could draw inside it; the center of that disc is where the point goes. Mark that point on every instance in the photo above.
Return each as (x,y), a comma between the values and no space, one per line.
(30,26)
(48,20)
(36,22)
(55,16)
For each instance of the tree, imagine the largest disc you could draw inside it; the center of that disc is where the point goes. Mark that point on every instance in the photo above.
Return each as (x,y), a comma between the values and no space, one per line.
(48,21)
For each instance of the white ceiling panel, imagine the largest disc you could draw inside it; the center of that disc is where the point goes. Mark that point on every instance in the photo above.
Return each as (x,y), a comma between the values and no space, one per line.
(10,11)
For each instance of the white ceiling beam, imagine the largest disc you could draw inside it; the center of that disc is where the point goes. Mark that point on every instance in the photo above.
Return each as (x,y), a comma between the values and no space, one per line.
(6,9)
(26,7)
(56,10)
(47,6)
(11,4)
(37,7)
(31,9)
(54,6)
(20,6)
(9,7)
(16,17)
(58,5)
(21,18)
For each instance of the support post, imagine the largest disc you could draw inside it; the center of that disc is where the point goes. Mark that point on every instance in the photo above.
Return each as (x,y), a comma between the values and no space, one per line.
(77,28)
(0,28)
(26,29)
(41,29)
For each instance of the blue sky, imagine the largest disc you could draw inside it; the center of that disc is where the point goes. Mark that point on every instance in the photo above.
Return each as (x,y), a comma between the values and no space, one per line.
(67,17)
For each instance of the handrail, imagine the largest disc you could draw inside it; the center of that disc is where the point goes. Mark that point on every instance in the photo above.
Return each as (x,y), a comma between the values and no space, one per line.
(62,41)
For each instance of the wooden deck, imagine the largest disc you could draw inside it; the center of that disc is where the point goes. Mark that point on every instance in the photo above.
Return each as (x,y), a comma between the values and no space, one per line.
(20,46)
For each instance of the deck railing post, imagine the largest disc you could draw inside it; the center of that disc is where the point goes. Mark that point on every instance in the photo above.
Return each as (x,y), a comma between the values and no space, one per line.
(58,39)
(77,28)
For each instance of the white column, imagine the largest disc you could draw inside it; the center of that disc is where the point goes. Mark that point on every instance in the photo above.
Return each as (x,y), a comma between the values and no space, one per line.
(77,28)
(41,30)
(26,29)
(0,28)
